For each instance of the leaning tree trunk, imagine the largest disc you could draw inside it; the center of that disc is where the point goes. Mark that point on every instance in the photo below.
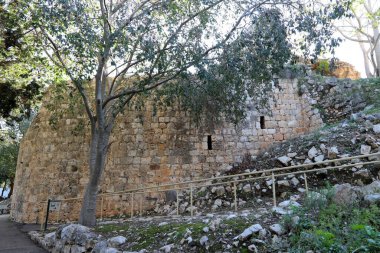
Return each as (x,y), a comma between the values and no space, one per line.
(366,60)
(11,186)
(98,153)
(377,57)
(376,45)
(2,192)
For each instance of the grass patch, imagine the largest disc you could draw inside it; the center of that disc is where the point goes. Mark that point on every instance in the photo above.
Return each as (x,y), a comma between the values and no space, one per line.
(110,228)
(170,233)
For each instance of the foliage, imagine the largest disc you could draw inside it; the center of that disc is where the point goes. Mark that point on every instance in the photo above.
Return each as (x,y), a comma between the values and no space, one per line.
(322,67)
(24,71)
(328,227)
(10,138)
(8,160)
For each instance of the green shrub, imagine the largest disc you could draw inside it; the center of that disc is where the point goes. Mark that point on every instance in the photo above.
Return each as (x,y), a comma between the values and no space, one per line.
(335,228)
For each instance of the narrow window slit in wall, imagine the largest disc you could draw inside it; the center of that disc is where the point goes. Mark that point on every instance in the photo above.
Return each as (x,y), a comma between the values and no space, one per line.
(209,142)
(262,122)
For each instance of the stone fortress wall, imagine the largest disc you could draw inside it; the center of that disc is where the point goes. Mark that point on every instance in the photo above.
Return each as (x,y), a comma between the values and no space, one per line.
(147,149)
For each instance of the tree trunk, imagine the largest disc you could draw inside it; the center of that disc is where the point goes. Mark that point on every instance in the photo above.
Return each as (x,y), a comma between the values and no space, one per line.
(2,192)
(98,153)
(11,186)
(376,45)
(377,57)
(366,61)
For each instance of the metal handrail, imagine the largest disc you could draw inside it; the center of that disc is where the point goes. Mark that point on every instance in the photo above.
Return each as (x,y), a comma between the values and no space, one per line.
(257,175)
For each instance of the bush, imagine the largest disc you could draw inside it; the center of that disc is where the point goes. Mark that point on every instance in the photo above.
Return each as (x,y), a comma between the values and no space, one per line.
(327,227)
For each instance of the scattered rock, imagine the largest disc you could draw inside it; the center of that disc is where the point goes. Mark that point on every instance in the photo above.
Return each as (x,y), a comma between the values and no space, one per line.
(344,194)
(218,190)
(284,160)
(376,128)
(289,204)
(116,241)
(248,232)
(295,181)
(277,228)
(365,149)
(312,152)
(319,158)
(203,241)
(332,153)
(253,248)
(50,239)
(167,248)
(372,198)
(247,188)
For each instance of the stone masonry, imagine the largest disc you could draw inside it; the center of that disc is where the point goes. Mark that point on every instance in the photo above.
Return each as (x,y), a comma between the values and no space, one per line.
(148,148)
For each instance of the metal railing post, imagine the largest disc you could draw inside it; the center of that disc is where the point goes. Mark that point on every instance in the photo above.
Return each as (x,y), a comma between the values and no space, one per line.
(191,199)
(59,212)
(101,207)
(132,205)
(306,185)
(47,214)
(177,202)
(235,197)
(42,216)
(274,191)
(141,203)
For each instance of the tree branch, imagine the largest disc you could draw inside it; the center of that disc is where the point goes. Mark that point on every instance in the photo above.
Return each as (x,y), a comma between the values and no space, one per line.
(77,84)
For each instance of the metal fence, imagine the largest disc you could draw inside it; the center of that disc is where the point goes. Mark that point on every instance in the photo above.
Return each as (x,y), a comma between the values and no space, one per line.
(271,174)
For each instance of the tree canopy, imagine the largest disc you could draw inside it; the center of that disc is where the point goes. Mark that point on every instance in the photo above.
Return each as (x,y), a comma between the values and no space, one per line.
(24,71)
(206,52)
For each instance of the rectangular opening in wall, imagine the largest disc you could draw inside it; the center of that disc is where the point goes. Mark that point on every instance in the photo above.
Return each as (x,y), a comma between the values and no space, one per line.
(262,122)
(209,142)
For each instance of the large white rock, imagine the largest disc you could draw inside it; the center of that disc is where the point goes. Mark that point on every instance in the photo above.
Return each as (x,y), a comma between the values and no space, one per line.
(116,241)
(218,202)
(319,158)
(376,128)
(50,239)
(247,188)
(76,234)
(252,248)
(312,152)
(77,249)
(289,204)
(248,232)
(295,181)
(203,241)
(283,183)
(218,190)
(365,149)
(167,248)
(332,153)
(282,211)
(277,228)
(372,198)
(344,194)
(284,160)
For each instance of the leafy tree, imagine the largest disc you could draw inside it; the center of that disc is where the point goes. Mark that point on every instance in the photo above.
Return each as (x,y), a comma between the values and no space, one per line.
(8,162)
(201,51)
(362,26)
(24,71)
(10,137)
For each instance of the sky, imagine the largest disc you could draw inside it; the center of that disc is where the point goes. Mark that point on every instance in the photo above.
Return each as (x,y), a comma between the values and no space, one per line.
(350,52)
